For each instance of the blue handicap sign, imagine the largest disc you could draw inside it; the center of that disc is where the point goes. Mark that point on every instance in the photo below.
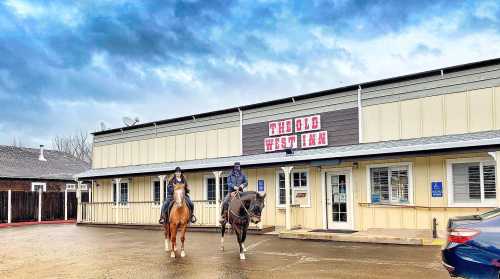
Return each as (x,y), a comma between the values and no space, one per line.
(260,185)
(375,198)
(437,189)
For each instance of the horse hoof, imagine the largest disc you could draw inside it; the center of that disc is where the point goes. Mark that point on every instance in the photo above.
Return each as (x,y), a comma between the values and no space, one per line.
(242,256)
(172,255)
(183,254)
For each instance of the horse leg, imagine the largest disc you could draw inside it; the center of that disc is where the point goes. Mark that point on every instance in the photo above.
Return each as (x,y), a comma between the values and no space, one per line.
(167,237)
(223,230)
(244,237)
(183,237)
(173,239)
(238,237)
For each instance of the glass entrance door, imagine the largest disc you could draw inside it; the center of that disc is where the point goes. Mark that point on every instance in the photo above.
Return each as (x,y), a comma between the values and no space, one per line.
(338,201)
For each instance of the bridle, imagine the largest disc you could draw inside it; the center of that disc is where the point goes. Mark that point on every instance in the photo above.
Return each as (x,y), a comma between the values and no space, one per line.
(248,213)
(181,197)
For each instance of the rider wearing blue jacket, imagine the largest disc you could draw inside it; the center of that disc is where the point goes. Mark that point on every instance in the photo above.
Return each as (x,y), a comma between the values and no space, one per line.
(236,181)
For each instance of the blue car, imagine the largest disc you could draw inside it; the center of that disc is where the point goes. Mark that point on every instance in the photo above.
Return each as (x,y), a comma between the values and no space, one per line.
(473,247)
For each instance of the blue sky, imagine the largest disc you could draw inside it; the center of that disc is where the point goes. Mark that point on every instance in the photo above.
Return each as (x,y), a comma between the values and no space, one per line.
(67,66)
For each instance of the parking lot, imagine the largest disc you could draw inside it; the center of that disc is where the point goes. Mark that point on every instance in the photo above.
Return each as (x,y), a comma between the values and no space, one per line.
(70,251)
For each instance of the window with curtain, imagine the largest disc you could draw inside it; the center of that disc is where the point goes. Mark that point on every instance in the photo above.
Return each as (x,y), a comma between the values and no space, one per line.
(390,184)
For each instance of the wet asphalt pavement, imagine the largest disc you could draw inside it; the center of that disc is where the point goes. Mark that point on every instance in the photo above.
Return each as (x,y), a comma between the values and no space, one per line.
(70,251)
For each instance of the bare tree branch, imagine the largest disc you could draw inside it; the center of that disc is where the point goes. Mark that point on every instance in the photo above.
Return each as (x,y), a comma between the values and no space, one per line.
(77,145)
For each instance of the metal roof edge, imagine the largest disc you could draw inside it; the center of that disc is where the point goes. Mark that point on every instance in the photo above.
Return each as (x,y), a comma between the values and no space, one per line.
(326,155)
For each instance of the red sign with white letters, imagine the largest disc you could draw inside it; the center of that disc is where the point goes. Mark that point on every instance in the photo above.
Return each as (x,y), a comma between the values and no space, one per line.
(280,143)
(282,127)
(280,139)
(307,123)
(314,139)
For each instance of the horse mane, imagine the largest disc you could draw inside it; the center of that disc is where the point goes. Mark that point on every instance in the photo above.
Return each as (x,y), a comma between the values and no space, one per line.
(248,194)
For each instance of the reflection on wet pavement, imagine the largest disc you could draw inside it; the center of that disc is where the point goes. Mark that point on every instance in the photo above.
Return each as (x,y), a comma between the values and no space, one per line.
(70,251)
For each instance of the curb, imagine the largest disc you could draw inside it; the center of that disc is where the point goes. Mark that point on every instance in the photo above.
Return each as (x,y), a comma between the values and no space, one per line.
(364,239)
(22,224)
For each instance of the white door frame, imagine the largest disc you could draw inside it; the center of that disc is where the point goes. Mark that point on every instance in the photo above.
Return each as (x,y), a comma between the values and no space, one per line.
(350,197)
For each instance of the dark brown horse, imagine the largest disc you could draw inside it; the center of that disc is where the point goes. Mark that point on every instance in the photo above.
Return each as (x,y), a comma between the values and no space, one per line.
(244,208)
(178,220)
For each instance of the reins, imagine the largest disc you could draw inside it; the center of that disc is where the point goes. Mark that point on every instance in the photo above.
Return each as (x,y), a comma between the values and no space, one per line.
(242,205)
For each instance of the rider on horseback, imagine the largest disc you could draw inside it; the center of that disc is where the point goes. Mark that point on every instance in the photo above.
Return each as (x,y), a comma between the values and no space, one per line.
(236,181)
(167,205)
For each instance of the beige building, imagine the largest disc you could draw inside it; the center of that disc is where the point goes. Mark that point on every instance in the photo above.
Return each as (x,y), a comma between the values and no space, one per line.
(393,153)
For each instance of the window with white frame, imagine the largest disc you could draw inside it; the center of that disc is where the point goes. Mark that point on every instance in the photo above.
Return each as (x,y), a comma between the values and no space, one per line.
(299,181)
(390,184)
(210,188)
(282,190)
(36,186)
(71,187)
(472,182)
(123,192)
(156,191)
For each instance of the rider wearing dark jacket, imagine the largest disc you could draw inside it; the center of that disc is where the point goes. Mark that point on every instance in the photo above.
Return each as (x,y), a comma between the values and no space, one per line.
(178,178)
(236,181)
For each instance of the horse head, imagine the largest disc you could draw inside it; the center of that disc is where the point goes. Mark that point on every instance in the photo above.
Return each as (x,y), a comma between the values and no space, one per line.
(256,207)
(179,194)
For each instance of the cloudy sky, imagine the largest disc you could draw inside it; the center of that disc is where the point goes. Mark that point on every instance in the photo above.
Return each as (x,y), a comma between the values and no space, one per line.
(66,67)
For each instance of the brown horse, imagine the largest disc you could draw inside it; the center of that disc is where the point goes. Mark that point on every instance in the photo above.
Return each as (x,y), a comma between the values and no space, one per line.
(178,220)
(244,208)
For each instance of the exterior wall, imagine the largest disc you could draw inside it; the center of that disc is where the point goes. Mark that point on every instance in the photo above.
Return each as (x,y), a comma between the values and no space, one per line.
(342,127)
(200,145)
(419,215)
(455,113)
(25,185)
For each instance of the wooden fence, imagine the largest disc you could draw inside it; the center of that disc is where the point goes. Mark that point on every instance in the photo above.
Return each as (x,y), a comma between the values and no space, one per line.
(25,206)
(4,206)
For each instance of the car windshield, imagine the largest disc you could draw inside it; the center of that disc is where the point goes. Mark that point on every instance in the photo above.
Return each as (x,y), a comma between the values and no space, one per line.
(490,214)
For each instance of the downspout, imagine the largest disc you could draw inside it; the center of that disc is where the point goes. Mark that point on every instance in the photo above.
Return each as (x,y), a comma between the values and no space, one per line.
(241,131)
(360,116)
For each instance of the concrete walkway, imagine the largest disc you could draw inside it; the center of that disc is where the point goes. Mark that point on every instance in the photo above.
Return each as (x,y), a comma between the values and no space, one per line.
(385,236)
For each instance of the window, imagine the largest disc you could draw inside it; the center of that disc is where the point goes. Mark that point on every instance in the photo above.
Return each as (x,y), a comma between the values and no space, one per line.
(472,182)
(282,189)
(70,187)
(390,184)
(210,189)
(299,180)
(123,193)
(156,192)
(36,186)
